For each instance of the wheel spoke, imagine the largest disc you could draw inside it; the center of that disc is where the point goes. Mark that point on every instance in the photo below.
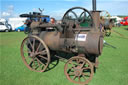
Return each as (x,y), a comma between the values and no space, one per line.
(38,47)
(71,74)
(74,77)
(30,44)
(71,62)
(81,65)
(33,44)
(31,62)
(77,60)
(40,61)
(34,63)
(44,52)
(84,77)
(39,64)
(86,68)
(85,74)
(26,48)
(70,68)
(43,57)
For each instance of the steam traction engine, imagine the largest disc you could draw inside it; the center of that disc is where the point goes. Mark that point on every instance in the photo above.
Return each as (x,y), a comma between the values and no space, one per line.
(78,34)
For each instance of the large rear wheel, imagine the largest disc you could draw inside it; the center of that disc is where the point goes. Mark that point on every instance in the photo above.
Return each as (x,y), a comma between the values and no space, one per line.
(35,53)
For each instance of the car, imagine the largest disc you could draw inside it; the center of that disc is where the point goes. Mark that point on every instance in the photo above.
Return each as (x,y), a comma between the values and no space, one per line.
(21,28)
(4,27)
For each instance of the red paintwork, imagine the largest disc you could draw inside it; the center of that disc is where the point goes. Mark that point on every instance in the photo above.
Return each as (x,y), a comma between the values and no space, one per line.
(124,21)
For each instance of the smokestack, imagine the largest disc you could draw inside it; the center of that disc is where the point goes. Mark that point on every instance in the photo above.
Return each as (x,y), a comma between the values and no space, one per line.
(94,5)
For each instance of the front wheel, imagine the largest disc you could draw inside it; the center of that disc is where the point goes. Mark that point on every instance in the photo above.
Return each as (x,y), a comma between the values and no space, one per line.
(79,70)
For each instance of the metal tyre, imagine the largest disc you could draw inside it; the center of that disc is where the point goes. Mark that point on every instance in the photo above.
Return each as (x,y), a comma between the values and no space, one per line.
(79,70)
(35,53)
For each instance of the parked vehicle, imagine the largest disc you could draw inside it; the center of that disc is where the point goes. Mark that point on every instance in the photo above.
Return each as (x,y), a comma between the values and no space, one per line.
(116,21)
(124,21)
(84,43)
(4,26)
(21,28)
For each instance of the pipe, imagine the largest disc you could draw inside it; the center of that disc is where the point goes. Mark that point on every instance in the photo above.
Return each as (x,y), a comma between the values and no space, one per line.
(94,5)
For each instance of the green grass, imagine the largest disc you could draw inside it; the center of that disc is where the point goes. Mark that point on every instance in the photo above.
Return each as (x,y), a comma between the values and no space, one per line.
(113,67)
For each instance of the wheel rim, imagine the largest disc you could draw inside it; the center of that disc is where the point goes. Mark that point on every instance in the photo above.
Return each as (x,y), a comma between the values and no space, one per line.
(6,30)
(35,53)
(18,30)
(78,70)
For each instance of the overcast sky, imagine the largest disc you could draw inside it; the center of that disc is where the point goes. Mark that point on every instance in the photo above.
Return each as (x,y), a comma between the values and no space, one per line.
(56,8)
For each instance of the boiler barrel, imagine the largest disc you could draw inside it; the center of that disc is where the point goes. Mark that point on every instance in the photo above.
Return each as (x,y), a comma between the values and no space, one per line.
(51,39)
(91,43)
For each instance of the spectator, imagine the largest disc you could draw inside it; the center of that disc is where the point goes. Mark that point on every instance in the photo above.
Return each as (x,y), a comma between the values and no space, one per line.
(52,20)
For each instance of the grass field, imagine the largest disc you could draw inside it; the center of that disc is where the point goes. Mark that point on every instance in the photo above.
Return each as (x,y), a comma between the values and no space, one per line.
(113,67)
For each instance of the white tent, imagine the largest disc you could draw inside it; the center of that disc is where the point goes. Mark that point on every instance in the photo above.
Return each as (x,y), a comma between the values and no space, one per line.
(117,18)
(16,22)
(2,20)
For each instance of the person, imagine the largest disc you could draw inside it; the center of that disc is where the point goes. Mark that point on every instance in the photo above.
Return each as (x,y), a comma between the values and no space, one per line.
(52,20)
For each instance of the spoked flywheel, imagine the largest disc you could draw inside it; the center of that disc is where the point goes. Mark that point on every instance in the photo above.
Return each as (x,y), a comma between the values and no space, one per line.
(79,70)
(35,53)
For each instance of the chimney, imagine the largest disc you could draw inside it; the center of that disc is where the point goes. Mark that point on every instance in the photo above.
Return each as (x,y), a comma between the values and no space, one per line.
(94,5)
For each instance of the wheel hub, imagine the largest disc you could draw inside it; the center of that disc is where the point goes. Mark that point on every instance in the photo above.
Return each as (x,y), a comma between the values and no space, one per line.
(78,71)
(32,55)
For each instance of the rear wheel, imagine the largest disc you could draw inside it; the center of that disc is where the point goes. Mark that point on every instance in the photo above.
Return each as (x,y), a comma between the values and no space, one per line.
(35,53)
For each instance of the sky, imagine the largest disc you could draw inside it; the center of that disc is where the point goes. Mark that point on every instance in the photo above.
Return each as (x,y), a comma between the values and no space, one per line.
(57,8)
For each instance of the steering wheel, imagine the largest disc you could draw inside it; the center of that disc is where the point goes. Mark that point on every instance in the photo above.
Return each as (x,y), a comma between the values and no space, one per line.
(78,15)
